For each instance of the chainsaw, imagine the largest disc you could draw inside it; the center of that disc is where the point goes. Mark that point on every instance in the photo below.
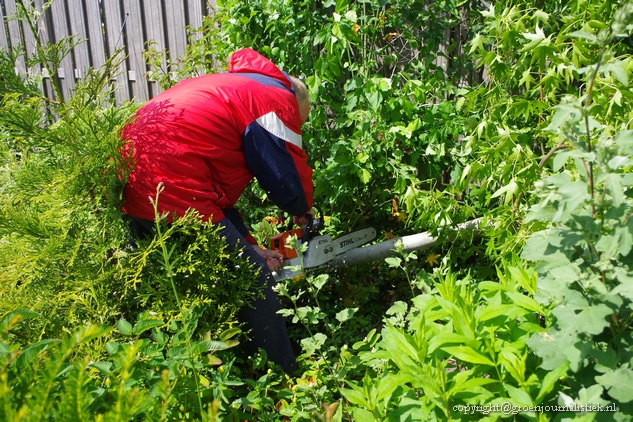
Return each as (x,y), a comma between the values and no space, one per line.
(321,248)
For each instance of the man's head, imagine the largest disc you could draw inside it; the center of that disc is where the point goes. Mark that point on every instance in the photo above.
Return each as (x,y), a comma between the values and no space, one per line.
(303,98)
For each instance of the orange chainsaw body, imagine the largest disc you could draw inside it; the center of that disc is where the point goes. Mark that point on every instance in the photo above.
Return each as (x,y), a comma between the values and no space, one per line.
(278,243)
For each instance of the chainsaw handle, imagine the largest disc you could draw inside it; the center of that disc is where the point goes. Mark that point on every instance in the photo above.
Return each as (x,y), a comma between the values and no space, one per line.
(308,228)
(310,220)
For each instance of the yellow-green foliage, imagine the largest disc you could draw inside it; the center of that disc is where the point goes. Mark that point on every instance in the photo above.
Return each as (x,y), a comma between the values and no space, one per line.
(64,248)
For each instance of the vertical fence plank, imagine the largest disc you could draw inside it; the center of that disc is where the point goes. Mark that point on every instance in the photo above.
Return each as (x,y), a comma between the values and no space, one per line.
(15,38)
(95,33)
(42,37)
(176,32)
(77,27)
(114,21)
(195,10)
(4,40)
(65,75)
(134,47)
(30,48)
(156,35)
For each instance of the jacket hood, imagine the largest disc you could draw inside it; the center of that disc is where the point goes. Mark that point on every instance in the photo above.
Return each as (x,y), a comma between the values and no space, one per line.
(249,61)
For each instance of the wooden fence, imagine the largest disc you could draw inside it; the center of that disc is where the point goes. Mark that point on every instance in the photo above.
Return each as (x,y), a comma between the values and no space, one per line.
(105,25)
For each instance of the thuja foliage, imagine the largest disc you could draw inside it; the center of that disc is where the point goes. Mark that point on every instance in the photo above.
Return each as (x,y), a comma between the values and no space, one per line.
(71,272)
(65,250)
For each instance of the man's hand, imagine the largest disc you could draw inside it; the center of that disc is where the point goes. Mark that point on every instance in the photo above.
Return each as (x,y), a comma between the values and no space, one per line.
(273,259)
(300,221)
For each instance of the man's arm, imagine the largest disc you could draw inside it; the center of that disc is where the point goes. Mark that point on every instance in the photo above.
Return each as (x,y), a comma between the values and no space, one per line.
(280,166)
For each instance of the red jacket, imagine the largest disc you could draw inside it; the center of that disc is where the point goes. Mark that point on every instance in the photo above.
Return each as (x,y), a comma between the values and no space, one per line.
(207,137)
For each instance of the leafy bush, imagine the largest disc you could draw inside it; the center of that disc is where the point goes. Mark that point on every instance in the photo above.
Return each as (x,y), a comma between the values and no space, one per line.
(584,256)
(154,379)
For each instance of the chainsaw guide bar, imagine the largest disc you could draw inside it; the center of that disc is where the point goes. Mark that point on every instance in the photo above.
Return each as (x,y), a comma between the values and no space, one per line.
(322,249)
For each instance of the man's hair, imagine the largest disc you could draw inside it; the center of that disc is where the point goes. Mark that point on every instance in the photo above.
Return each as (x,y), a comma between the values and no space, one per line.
(301,91)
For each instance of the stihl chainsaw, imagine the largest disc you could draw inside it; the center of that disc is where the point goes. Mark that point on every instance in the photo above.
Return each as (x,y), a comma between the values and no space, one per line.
(321,248)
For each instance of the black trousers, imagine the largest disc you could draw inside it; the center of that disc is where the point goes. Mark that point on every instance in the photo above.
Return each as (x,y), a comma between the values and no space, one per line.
(267,327)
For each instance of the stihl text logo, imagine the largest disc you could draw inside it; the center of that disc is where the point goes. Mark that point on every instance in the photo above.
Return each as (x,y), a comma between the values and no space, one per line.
(346,243)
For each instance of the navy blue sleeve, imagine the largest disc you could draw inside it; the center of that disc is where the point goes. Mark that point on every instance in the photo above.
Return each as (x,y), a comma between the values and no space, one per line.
(274,168)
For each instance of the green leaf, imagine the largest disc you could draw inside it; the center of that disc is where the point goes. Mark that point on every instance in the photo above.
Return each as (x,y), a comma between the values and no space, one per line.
(213,360)
(575,195)
(11,318)
(441,339)
(485,313)
(90,332)
(613,183)
(230,333)
(31,353)
(558,348)
(625,288)
(527,79)
(146,324)
(564,114)
(590,320)
(364,175)
(362,415)
(374,98)
(527,281)
(319,281)
(619,161)
(624,140)
(591,395)
(410,198)
(525,302)
(389,383)
(468,354)
(465,382)
(535,38)
(618,70)
(518,395)
(199,347)
(619,384)
(112,347)
(105,368)
(398,341)
(314,343)
(346,314)
(476,44)
(124,327)
(509,190)
(398,308)
(549,381)
(624,236)
(393,262)
(585,35)
(384,84)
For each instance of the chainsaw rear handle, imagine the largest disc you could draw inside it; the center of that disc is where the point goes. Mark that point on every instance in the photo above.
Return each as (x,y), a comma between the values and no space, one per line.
(311,229)
(311,225)
(308,228)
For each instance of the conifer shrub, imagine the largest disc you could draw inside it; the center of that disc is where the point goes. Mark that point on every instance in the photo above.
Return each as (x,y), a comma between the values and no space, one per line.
(65,249)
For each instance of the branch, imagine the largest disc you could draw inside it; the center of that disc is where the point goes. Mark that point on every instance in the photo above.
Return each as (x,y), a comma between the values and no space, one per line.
(547,156)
